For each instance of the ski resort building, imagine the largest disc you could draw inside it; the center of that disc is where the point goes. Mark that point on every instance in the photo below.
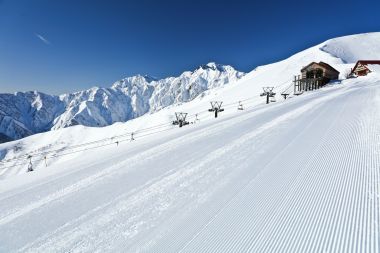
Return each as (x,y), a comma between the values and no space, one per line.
(363,67)
(319,70)
(314,75)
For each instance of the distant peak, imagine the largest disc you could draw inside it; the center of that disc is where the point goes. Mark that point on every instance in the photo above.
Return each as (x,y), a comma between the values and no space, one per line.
(212,65)
(137,79)
(149,78)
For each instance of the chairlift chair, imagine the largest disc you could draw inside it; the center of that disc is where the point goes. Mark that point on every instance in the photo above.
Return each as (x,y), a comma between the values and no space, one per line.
(285,95)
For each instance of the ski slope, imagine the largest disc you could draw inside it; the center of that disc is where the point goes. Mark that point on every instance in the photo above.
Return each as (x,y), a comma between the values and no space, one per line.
(341,53)
(300,175)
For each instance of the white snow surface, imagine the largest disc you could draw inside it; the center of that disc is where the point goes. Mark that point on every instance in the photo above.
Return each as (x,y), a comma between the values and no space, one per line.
(355,47)
(374,67)
(298,175)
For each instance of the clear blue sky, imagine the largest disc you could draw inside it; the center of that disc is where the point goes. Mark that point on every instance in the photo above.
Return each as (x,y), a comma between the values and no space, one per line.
(65,46)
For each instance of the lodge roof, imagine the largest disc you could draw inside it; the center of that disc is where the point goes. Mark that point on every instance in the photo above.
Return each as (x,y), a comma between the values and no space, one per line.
(365,62)
(323,64)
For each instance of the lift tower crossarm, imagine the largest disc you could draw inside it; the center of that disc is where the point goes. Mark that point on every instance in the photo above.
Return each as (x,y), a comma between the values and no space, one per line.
(216,106)
(268,92)
(180,119)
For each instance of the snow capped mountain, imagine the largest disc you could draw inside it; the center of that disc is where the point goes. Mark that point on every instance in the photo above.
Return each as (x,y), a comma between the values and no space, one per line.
(189,85)
(23,114)
(126,99)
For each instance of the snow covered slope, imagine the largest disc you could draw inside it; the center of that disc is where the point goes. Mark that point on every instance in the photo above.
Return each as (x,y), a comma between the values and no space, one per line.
(133,97)
(301,175)
(23,114)
(298,175)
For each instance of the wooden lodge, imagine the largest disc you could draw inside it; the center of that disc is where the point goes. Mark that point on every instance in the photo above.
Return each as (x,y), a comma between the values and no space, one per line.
(363,67)
(314,76)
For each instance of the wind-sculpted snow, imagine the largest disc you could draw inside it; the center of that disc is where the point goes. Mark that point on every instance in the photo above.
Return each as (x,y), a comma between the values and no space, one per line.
(300,175)
(352,48)
(23,114)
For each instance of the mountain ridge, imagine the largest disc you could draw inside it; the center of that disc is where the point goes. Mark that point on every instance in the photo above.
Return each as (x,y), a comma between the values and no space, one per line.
(126,99)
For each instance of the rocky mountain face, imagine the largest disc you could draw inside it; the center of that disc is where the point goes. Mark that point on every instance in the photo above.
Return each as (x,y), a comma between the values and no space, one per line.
(26,113)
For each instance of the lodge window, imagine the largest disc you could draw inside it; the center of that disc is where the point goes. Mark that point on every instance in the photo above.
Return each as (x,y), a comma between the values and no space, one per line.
(314,73)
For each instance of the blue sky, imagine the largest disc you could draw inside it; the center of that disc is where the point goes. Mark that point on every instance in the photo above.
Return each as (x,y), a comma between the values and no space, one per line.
(65,46)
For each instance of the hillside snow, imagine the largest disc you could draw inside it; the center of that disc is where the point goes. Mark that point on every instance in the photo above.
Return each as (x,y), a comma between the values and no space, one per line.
(297,175)
(300,175)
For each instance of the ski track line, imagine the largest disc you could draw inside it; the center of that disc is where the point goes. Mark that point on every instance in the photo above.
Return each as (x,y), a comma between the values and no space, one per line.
(321,212)
(301,181)
(225,230)
(214,155)
(235,190)
(233,249)
(324,215)
(287,234)
(287,191)
(232,199)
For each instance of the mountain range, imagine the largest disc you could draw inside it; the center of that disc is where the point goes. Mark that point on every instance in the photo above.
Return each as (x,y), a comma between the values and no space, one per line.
(26,113)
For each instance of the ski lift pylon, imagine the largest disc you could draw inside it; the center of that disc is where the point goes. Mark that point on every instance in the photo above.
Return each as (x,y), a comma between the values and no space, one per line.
(180,119)
(216,106)
(268,92)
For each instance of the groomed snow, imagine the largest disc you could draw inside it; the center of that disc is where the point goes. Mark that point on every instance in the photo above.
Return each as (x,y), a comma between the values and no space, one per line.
(301,175)
(298,175)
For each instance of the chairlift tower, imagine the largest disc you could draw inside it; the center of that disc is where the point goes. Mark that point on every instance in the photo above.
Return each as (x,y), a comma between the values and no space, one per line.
(216,107)
(268,92)
(180,119)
